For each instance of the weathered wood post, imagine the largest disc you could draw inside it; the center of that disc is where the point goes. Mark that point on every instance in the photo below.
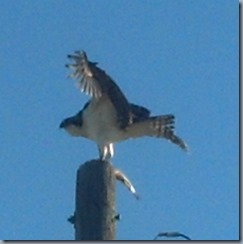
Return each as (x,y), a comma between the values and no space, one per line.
(95,202)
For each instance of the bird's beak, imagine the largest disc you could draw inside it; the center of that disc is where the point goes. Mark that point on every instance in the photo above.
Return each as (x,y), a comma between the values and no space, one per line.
(62,125)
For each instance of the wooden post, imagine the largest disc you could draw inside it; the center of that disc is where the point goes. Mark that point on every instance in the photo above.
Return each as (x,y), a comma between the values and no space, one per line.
(95,202)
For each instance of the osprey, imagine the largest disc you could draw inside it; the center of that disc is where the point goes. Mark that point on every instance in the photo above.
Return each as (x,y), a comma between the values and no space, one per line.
(108,117)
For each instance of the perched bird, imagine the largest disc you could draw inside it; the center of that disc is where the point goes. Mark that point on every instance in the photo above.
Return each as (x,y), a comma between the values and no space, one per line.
(108,117)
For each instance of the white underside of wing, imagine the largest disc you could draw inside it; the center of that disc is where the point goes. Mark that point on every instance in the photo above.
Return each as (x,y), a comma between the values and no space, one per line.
(85,80)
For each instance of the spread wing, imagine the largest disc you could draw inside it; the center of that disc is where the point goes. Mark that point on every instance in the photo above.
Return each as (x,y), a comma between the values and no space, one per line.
(156,126)
(95,82)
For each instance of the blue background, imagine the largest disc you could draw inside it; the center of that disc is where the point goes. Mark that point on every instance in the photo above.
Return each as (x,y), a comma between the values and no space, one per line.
(177,57)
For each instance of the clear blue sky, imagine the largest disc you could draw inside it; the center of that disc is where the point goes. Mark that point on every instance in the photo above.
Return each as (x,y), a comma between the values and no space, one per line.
(177,57)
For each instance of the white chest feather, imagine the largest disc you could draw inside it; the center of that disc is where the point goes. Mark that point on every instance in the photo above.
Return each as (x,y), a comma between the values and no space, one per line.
(100,121)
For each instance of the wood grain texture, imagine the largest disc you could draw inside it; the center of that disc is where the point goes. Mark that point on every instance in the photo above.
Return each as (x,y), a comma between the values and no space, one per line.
(95,201)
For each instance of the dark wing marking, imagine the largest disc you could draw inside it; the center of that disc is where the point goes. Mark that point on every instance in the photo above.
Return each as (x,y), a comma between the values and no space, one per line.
(139,113)
(96,83)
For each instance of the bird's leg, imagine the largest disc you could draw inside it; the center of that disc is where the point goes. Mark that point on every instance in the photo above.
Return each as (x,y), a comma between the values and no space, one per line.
(111,150)
(106,152)
(102,152)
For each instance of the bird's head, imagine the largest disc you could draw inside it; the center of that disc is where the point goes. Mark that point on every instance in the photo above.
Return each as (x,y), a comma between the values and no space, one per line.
(72,125)
(65,123)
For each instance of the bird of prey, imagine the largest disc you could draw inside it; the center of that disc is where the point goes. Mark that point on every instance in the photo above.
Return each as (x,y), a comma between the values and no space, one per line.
(108,117)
